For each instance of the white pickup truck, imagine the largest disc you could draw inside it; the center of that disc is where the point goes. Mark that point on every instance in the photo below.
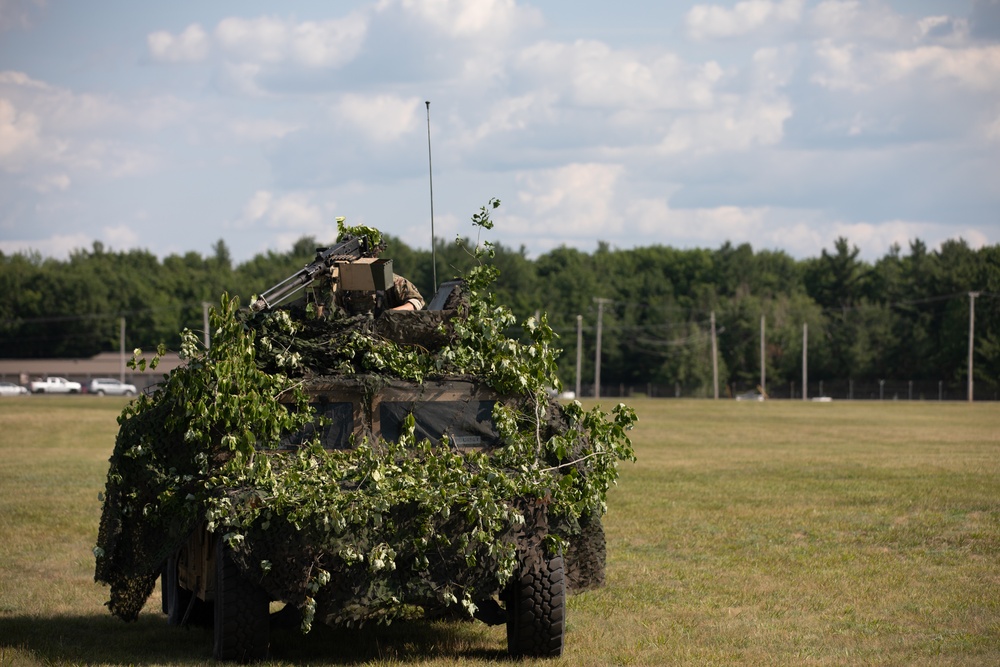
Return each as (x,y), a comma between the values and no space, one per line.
(54,385)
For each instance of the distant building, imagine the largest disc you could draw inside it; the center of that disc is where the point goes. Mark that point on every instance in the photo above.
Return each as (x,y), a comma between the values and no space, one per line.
(105,364)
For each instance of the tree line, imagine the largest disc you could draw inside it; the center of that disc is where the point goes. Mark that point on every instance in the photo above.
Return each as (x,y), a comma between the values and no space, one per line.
(905,315)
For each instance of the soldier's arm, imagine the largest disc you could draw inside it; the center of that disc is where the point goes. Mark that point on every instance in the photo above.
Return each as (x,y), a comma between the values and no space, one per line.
(407,295)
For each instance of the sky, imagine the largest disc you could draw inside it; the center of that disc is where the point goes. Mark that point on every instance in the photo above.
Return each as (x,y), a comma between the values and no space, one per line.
(780,123)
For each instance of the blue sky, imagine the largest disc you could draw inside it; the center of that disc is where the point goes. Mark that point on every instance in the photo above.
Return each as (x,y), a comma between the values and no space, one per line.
(782,123)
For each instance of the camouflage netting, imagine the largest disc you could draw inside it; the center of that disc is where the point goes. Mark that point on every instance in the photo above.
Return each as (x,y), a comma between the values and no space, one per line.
(372,531)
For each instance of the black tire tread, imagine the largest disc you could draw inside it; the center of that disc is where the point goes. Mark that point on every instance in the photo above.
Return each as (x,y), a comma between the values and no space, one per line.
(536,613)
(241,613)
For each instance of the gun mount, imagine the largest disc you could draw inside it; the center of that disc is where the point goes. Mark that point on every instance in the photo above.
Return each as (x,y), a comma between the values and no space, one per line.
(350,250)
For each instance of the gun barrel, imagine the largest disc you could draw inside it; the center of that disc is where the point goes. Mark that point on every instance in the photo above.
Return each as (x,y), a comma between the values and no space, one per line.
(349,249)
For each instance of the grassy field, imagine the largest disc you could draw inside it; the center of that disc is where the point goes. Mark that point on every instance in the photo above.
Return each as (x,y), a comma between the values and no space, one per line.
(779,533)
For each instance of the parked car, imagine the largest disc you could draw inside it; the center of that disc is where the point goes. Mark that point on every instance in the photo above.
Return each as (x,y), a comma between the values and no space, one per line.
(11,389)
(110,386)
(54,385)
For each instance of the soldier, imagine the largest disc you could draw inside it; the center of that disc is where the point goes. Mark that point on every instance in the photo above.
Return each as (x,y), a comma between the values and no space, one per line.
(402,295)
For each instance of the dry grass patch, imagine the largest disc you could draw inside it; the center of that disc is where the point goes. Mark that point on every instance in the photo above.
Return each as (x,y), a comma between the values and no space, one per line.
(790,533)
(780,533)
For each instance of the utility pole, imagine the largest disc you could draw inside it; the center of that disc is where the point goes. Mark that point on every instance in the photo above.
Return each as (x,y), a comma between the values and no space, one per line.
(763,364)
(430,176)
(579,351)
(597,353)
(121,348)
(805,361)
(715,361)
(972,330)
(204,316)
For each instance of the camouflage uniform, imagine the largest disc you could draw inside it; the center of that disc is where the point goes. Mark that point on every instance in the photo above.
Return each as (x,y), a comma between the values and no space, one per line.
(403,291)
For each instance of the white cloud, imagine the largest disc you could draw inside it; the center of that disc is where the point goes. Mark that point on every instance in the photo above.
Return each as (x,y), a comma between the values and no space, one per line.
(975,68)
(593,75)
(240,79)
(19,136)
(511,115)
(584,135)
(714,21)
(853,69)
(58,245)
(52,137)
(703,227)
(739,122)
(840,68)
(578,198)
(466,19)
(190,46)
(944,30)
(328,43)
(262,39)
(855,20)
(741,125)
(293,213)
(467,41)
(382,118)
(18,13)
(258,206)
(992,131)
(801,233)
(875,238)
(121,237)
(61,110)
(272,40)
(772,68)
(53,182)
(261,129)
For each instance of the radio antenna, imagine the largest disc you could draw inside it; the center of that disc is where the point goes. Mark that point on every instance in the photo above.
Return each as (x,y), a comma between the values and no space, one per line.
(430,174)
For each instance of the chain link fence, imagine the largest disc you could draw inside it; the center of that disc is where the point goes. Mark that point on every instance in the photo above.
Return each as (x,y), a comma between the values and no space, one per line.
(850,390)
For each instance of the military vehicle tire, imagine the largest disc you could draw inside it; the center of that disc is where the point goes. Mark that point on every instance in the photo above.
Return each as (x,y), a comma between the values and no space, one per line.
(536,609)
(585,556)
(241,612)
(177,600)
(164,607)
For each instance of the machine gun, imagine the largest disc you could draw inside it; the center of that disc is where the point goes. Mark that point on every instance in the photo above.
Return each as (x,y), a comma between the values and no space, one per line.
(348,251)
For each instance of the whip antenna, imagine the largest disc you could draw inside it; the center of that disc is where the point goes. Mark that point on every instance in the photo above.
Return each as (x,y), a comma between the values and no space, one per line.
(430,174)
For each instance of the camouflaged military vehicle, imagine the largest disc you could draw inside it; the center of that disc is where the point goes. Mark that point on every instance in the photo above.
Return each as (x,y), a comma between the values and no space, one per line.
(360,467)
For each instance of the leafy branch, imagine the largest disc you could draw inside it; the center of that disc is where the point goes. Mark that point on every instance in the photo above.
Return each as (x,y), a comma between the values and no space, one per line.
(362,534)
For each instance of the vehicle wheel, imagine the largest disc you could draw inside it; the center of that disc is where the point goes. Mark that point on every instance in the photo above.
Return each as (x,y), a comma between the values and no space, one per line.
(164,607)
(99,392)
(585,556)
(177,600)
(130,393)
(241,612)
(536,609)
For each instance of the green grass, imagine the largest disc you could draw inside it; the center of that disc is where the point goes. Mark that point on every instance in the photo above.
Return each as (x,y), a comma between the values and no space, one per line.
(778,533)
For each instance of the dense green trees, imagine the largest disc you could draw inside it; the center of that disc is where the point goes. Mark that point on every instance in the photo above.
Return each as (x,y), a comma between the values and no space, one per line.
(903,317)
